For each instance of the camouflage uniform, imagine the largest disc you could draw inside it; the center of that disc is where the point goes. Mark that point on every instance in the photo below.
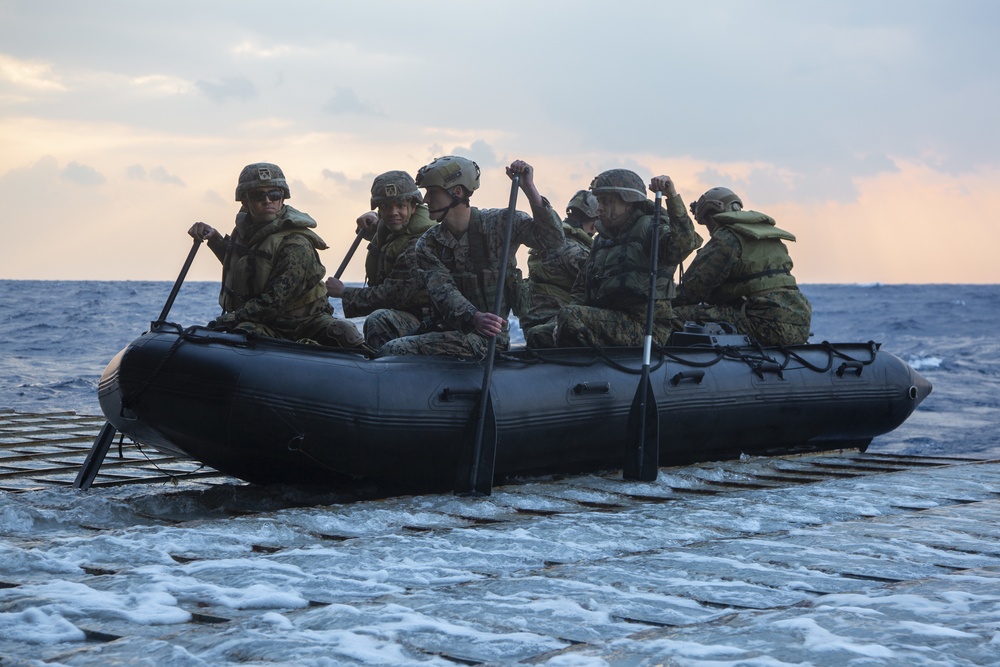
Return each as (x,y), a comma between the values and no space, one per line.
(458,289)
(395,299)
(603,314)
(281,293)
(551,274)
(743,276)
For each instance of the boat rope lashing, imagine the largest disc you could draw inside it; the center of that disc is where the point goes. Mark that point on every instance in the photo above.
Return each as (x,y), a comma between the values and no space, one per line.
(132,398)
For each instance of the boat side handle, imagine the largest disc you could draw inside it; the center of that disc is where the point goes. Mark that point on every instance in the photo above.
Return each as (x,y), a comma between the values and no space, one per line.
(588,388)
(693,376)
(853,366)
(449,394)
(769,367)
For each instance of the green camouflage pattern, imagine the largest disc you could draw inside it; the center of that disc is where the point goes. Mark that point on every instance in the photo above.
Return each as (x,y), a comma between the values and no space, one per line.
(780,316)
(443,343)
(586,326)
(441,256)
(551,275)
(277,310)
(617,326)
(387,324)
(391,268)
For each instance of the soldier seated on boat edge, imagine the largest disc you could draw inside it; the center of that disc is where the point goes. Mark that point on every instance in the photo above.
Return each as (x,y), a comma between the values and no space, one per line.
(272,277)
(743,275)
(610,296)
(459,259)
(394,297)
(551,273)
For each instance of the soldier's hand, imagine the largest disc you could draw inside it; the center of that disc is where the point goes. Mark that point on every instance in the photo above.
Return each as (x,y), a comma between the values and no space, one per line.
(488,324)
(334,287)
(663,184)
(522,169)
(367,222)
(202,231)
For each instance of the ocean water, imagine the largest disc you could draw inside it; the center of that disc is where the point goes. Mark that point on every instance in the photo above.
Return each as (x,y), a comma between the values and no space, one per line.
(898,568)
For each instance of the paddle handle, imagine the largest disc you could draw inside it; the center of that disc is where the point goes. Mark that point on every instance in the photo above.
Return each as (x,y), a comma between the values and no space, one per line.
(350,254)
(180,280)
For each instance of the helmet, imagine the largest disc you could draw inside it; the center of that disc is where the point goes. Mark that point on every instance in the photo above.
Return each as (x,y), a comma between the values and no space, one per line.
(394,186)
(622,182)
(716,200)
(261,175)
(447,172)
(582,207)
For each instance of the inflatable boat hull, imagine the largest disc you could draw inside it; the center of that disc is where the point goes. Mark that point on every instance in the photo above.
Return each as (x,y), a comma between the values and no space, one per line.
(267,411)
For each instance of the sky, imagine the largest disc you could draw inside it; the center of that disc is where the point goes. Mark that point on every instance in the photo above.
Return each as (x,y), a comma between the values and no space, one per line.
(864,128)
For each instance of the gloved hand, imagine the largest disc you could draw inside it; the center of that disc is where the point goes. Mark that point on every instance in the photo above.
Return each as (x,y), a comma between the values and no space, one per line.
(224,321)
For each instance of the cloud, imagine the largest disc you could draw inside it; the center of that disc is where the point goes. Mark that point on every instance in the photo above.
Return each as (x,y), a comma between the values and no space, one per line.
(479,152)
(346,101)
(234,87)
(82,174)
(337,176)
(28,74)
(159,174)
(214,198)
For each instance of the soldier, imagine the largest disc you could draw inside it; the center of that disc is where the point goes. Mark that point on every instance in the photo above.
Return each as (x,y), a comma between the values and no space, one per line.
(459,259)
(743,275)
(610,295)
(551,273)
(395,298)
(272,279)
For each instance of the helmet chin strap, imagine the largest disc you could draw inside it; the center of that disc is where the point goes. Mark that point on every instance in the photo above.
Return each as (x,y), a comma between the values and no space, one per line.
(455,201)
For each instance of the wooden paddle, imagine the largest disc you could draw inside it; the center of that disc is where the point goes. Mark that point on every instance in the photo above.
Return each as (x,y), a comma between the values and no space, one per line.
(88,471)
(642,446)
(479,481)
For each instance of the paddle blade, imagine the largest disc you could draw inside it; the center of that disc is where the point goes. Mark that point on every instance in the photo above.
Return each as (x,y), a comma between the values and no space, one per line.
(642,445)
(475,472)
(88,471)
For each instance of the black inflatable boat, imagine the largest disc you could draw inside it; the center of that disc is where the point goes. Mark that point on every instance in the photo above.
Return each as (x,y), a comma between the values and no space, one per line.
(271,411)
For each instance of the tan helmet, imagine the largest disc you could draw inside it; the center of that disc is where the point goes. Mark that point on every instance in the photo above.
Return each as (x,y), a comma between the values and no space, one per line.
(716,200)
(622,182)
(582,207)
(447,172)
(394,186)
(261,175)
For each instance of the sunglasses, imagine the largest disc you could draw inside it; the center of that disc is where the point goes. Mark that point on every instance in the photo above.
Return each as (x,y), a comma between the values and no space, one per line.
(260,195)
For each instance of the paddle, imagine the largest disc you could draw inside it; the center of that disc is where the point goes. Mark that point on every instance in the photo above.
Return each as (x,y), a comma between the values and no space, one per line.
(643,441)
(88,471)
(484,447)
(350,254)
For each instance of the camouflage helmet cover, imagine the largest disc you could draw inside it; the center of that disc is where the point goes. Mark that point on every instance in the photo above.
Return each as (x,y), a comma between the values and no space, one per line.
(447,172)
(716,200)
(261,175)
(394,186)
(622,182)
(582,207)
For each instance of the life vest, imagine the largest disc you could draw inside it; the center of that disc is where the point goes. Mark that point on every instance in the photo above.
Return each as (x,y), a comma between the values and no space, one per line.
(248,265)
(617,273)
(387,245)
(764,263)
(542,279)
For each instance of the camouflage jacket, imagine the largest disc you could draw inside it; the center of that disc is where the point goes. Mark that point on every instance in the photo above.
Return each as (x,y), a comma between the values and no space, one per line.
(616,275)
(272,274)
(457,288)
(737,263)
(391,271)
